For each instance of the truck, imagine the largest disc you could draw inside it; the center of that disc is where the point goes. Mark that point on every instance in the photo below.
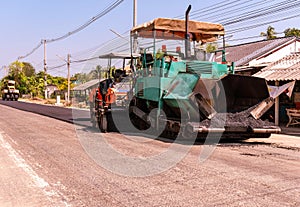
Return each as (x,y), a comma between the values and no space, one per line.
(9,91)
(187,93)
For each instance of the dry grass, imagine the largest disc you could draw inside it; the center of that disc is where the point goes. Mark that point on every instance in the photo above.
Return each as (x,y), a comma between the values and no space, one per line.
(46,102)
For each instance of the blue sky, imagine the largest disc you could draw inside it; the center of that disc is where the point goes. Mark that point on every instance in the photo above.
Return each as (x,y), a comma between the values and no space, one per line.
(25,22)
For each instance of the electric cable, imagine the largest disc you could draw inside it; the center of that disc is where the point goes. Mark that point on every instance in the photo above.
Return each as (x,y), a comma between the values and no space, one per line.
(93,19)
(234,10)
(262,12)
(261,24)
(31,52)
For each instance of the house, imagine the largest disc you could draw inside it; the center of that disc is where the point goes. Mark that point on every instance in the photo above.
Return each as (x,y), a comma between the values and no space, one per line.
(81,92)
(51,89)
(249,58)
(278,73)
(284,69)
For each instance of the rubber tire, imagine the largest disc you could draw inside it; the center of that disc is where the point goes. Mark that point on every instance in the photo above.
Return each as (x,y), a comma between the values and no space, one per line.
(137,122)
(103,123)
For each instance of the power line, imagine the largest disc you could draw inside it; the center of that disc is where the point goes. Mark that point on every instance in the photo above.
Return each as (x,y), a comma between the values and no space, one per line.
(229,8)
(74,61)
(250,37)
(103,46)
(208,9)
(262,12)
(234,14)
(84,60)
(264,21)
(261,24)
(32,51)
(233,10)
(93,19)
(55,67)
(219,9)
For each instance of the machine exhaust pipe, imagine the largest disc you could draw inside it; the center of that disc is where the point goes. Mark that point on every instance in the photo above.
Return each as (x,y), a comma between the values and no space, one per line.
(187,37)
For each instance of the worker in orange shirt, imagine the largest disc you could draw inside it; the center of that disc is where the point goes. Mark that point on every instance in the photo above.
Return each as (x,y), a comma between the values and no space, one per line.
(110,97)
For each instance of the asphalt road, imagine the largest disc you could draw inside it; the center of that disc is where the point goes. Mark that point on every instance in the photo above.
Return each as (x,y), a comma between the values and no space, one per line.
(71,115)
(47,162)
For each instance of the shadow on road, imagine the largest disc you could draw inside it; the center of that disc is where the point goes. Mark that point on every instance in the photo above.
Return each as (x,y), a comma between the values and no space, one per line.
(223,142)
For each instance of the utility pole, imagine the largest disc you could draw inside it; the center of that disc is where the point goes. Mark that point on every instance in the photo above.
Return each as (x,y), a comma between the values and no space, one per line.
(68,63)
(5,70)
(45,69)
(135,43)
(277,107)
(134,13)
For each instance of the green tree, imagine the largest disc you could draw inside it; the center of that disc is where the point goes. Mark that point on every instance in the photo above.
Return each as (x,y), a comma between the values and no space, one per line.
(270,34)
(28,69)
(60,82)
(80,78)
(16,73)
(292,32)
(40,84)
(22,73)
(96,73)
(33,86)
(30,82)
(100,72)
(211,47)
(15,69)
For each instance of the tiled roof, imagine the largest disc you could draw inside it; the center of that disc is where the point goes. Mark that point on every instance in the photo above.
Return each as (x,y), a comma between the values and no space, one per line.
(244,53)
(287,68)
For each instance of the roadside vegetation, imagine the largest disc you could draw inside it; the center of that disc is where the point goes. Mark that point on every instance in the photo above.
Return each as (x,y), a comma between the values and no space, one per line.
(31,83)
(271,33)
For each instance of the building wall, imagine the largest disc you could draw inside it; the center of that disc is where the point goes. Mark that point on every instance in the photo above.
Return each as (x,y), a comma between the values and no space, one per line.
(277,54)
(51,89)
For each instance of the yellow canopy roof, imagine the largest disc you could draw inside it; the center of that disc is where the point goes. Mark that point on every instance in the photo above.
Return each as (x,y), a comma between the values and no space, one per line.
(175,29)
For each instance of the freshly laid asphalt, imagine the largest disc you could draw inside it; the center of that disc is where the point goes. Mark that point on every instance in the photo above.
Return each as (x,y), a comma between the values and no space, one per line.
(70,115)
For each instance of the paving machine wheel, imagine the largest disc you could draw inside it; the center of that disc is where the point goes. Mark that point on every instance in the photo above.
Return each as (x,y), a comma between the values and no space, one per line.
(138,117)
(102,123)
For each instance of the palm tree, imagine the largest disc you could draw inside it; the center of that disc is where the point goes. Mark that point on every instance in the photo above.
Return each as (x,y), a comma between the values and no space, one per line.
(96,72)
(270,33)
(292,32)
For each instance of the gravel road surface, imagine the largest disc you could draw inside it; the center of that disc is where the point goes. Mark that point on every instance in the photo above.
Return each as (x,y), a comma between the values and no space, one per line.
(47,162)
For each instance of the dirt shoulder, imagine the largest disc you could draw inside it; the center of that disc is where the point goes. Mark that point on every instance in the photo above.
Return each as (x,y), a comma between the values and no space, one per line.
(281,140)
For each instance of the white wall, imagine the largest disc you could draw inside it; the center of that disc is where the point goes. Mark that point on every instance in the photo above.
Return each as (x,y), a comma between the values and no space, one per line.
(277,54)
